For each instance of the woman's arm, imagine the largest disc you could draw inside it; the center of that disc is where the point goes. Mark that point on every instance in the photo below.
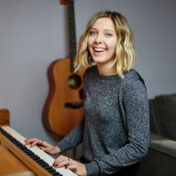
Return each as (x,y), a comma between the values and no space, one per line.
(73,138)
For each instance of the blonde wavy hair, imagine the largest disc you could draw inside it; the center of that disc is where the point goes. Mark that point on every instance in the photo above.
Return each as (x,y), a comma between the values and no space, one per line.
(125,54)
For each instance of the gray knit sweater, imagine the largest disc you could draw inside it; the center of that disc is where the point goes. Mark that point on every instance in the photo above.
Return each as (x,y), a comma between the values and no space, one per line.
(115,129)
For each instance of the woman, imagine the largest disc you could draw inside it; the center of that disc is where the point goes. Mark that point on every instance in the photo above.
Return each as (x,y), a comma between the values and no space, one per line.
(115,129)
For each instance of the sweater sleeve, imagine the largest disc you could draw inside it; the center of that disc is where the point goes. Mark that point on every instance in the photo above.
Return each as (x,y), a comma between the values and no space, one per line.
(73,138)
(135,104)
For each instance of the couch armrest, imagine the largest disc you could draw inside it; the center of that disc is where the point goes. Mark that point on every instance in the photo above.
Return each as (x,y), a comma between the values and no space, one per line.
(161,158)
(163,144)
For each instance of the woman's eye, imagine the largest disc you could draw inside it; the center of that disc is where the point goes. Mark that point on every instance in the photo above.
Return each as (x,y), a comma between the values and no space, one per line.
(108,34)
(92,33)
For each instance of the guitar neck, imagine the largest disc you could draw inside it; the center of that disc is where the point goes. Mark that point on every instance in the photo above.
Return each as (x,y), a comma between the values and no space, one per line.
(72,33)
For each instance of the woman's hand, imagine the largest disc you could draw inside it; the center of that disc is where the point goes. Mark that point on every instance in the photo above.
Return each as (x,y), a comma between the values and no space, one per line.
(45,146)
(75,166)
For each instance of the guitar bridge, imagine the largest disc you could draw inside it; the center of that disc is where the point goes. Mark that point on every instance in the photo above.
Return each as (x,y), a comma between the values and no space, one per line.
(74,105)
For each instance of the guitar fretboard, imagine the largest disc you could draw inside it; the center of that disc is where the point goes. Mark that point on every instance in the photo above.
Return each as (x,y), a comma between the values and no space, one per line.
(72,33)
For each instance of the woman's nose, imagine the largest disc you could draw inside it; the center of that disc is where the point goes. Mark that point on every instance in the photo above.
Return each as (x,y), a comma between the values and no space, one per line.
(98,38)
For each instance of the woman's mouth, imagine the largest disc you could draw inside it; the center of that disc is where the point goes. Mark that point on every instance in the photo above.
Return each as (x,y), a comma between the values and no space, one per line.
(98,51)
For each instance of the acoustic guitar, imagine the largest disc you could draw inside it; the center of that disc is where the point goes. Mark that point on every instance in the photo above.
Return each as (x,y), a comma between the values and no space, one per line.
(63,109)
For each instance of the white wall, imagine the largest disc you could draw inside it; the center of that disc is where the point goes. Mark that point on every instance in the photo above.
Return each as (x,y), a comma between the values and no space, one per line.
(154,25)
(34,33)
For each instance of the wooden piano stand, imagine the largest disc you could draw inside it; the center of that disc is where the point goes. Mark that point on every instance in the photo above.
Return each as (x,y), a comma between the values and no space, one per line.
(10,165)
(4,117)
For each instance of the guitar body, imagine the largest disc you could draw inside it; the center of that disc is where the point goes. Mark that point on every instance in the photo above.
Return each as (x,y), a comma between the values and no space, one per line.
(63,109)
(64,106)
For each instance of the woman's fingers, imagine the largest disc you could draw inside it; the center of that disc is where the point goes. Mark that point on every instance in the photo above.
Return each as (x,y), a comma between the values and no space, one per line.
(72,167)
(75,166)
(37,142)
(34,141)
(61,161)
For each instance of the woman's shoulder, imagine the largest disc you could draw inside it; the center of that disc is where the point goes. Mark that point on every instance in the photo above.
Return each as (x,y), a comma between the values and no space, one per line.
(130,74)
(133,78)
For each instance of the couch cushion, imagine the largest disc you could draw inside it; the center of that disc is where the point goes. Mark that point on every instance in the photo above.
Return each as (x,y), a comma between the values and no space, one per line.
(163,115)
(163,145)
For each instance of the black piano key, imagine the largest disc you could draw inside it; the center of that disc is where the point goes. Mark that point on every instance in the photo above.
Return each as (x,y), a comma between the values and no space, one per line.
(16,142)
(47,166)
(34,156)
(28,152)
(50,169)
(43,164)
(38,160)
(12,139)
(53,171)
(22,147)
(57,174)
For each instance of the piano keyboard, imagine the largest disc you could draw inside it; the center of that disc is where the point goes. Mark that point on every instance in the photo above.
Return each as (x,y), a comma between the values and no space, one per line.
(39,156)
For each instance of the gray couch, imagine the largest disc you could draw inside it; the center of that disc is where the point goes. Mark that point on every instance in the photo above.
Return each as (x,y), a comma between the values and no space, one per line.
(161,158)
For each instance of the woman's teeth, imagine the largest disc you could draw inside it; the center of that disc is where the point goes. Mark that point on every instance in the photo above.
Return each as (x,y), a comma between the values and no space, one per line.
(98,49)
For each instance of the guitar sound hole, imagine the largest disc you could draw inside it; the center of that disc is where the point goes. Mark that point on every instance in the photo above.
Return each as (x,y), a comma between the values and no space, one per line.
(74,81)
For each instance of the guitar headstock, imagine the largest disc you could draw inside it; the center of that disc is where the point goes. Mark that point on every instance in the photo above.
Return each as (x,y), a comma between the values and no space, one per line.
(63,2)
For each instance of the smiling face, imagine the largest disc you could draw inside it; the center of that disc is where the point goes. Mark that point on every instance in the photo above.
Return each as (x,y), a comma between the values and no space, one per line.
(102,42)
